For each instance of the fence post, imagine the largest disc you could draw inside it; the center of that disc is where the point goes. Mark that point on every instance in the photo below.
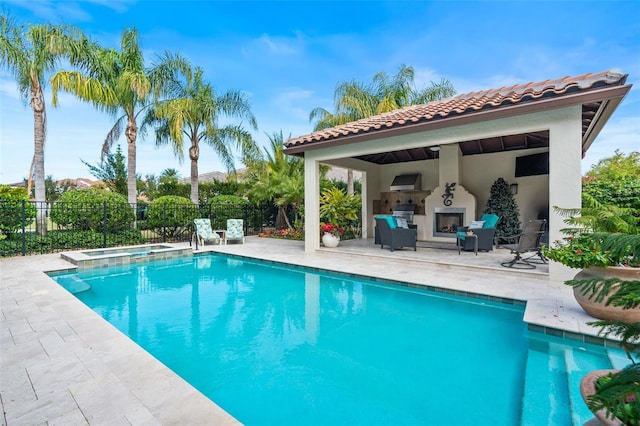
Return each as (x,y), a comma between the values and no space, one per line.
(104,225)
(164,222)
(24,224)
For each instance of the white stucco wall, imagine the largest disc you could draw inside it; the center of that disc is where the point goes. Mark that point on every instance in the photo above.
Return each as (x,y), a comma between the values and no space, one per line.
(479,172)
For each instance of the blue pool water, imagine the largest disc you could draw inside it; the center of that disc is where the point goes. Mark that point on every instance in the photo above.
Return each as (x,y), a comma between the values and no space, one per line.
(276,345)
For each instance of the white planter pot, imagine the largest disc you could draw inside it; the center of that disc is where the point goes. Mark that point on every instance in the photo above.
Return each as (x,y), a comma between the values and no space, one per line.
(330,240)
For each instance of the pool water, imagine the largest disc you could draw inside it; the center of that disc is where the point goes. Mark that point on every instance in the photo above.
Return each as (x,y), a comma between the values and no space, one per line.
(278,345)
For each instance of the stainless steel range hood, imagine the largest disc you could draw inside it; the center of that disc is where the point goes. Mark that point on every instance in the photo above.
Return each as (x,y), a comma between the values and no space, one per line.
(410,182)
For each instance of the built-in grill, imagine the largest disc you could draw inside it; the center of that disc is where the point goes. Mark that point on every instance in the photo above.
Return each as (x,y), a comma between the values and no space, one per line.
(405,210)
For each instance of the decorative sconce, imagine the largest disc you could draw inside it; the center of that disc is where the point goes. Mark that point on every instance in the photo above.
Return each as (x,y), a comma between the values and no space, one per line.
(514,188)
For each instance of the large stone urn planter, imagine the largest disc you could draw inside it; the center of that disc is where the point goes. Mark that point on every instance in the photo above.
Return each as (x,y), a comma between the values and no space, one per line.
(588,388)
(598,309)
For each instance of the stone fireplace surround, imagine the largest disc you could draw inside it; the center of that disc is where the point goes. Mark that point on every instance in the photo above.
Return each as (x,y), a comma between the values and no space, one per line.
(463,202)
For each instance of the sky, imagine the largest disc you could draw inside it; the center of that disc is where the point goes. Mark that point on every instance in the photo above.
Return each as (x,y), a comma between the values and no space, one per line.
(287,57)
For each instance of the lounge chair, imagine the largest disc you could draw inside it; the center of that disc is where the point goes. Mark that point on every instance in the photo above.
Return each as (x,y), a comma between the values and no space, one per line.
(394,237)
(484,229)
(204,233)
(235,230)
(527,242)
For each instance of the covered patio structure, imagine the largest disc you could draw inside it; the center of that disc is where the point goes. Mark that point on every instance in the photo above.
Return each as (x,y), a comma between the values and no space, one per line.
(532,135)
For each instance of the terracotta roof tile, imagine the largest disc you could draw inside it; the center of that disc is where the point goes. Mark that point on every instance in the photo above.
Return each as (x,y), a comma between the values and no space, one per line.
(467,103)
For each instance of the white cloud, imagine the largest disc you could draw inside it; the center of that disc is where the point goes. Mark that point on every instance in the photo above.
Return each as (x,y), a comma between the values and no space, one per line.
(293,102)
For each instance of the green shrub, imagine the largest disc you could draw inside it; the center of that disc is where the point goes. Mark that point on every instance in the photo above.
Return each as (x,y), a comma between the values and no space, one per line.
(624,192)
(223,207)
(11,210)
(69,240)
(84,209)
(170,216)
(338,207)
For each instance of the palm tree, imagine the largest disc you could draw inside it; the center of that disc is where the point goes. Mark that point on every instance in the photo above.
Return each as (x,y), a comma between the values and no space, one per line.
(30,53)
(118,83)
(277,177)
(191,113)
(354,100)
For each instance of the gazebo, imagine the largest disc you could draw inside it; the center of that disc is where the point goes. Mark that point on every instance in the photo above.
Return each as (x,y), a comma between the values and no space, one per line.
(532,135)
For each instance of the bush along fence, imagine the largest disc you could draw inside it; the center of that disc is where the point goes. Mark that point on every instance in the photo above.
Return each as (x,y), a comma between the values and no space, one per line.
(72,226)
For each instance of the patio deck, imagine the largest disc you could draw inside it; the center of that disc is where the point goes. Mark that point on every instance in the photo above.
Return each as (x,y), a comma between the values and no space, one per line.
(63,364)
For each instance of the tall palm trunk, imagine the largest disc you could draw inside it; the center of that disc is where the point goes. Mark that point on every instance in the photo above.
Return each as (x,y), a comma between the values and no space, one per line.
(38,106)
(282,221)
(194,155)
(132,133)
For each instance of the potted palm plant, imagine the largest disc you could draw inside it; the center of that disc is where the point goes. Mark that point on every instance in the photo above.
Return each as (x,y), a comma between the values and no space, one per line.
(338,210)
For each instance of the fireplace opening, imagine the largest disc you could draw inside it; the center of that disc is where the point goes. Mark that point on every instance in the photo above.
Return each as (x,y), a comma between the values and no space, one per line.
(447,220)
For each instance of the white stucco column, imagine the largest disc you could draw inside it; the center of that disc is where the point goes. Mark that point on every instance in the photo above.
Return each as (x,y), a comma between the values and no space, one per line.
(311,203)
(365,211)
(565,188)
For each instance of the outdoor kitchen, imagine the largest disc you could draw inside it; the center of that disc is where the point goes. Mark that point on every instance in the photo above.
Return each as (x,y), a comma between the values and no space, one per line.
(405,199)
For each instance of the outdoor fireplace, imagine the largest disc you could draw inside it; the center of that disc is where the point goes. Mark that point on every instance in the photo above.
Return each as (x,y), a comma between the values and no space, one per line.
(446,221)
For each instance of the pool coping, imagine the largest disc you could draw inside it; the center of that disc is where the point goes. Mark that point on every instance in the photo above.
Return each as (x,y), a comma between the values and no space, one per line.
(83,261)
(57,354)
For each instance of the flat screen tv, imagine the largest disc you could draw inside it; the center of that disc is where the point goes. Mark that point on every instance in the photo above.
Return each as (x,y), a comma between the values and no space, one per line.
(531,165)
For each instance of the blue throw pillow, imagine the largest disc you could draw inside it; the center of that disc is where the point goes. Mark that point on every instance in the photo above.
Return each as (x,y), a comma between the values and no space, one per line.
(391,220)
(490,220)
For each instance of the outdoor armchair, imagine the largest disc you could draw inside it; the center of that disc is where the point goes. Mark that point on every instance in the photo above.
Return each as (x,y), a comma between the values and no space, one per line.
(204,233)
(235,230)
(485,229)
(526,242)
(394,237)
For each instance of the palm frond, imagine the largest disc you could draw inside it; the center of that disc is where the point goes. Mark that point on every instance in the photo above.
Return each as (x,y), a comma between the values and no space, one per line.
(113,135)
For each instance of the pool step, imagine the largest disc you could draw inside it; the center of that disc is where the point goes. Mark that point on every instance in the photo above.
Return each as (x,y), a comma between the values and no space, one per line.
(577,363)
(545,386)
(618,359)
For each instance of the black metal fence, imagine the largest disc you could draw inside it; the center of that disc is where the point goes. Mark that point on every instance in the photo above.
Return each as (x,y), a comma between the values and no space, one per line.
(37,228)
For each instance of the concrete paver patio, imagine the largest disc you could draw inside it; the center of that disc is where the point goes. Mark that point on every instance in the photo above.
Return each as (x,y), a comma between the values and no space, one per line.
(61,363)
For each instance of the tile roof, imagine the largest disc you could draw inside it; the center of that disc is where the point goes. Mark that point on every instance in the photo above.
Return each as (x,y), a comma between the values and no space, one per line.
(465,104)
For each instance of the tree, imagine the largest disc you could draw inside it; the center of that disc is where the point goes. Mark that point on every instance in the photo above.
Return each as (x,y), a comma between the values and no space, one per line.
(354,100)
(278,178)
(192,113)
(502,204)
(112,170)
(118,83)
(30,53)
(169,184)
(617,167)
(615,181)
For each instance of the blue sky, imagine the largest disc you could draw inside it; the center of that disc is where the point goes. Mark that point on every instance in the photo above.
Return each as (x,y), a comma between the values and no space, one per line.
(289,56)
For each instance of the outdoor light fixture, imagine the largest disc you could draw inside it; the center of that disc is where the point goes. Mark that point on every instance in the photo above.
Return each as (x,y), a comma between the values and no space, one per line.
(514,188)
(435,148)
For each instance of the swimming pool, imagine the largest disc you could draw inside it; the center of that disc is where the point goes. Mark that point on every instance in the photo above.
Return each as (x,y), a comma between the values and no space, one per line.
(275,345)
